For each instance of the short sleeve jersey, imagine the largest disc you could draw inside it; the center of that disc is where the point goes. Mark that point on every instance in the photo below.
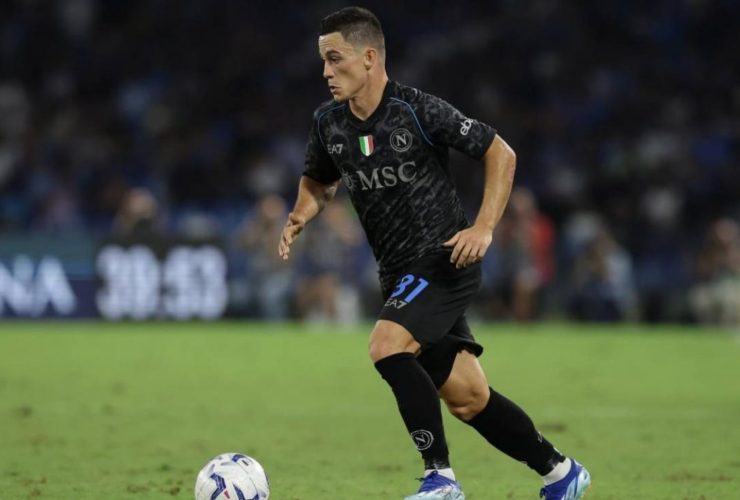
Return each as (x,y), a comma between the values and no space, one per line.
(395,166)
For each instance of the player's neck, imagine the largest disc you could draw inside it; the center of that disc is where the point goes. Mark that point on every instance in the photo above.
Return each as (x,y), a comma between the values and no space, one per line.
(364,104)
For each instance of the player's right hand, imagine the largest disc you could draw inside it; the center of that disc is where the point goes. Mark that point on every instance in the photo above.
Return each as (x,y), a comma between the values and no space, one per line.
(292,229)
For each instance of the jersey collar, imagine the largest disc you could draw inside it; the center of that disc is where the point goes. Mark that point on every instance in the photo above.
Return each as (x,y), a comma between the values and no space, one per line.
(367,124)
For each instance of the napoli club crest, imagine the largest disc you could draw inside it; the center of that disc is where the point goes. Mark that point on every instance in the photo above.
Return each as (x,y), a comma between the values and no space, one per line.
(401,140)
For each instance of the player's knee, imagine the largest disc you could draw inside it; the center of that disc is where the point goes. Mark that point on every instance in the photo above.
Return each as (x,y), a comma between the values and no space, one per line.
(377,351)
(468,404)
(381,348)
(387,340)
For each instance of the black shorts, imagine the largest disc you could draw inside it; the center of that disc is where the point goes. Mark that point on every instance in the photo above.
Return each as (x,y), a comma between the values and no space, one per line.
(429,299)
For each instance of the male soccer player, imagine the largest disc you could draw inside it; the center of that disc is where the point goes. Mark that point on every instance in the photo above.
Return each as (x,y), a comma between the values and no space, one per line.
(388,143)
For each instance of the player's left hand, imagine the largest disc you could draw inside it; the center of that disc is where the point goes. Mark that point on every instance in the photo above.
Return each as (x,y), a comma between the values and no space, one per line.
(469,245)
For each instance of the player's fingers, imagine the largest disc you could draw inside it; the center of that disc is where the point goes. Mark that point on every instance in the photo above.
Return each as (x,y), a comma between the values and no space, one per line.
(286,238)
(296,220)
(477,256)
(284,245)
(462,256)
(456,251)
(291,233)
(469,256)
(295,230)
(452,241)
(283,248)
(476,253)
(473,254)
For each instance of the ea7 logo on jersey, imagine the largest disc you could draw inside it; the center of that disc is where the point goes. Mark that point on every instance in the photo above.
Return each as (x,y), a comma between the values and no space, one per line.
(465,126)
(335,149)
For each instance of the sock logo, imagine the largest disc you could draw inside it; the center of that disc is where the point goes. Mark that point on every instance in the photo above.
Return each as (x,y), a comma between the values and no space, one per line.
(423,439)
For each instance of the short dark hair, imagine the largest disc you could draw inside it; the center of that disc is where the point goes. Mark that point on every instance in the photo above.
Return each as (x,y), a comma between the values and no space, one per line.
(357,25)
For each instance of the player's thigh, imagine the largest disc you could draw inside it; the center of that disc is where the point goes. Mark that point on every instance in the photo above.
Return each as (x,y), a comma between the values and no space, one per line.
(388,338)
(466,390)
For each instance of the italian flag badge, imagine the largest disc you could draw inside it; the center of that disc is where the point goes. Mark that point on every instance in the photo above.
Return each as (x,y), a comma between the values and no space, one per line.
(366,144)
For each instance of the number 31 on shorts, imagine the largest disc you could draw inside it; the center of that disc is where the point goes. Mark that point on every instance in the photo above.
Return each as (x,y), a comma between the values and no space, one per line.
(406,285)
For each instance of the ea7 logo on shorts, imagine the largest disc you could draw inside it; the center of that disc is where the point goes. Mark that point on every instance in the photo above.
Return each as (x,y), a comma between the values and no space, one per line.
(335,149)
(465,126)
(395,303)
(401,140)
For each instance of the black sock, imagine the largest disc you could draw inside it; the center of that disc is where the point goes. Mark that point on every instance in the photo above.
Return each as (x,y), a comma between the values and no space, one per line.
(418,402)
(511,431)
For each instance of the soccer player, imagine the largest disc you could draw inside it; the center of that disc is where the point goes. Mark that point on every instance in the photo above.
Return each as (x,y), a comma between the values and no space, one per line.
(388,144)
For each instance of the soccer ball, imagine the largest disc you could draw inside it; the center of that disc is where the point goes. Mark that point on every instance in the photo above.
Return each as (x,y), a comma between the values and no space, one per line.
(232,476)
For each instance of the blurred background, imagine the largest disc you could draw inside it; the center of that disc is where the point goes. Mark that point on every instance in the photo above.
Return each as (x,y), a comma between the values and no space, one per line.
(150,151)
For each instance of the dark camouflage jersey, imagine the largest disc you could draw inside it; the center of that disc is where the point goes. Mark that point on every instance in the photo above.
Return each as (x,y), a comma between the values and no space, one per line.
(395,166)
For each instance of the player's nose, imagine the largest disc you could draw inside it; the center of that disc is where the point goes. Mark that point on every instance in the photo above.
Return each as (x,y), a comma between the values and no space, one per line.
(328,73)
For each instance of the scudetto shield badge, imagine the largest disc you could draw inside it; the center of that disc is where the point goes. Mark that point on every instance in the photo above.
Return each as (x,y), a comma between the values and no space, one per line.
(367,145)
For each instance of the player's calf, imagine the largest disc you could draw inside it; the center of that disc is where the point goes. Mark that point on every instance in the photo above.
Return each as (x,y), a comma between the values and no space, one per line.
(466,390)
(508,428)
(465,406)
(419,406)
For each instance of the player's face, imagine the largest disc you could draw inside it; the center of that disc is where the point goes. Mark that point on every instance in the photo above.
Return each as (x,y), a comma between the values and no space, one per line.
(344,66)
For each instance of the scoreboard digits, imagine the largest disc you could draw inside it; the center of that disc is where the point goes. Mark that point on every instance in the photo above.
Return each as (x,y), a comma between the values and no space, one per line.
(175,280)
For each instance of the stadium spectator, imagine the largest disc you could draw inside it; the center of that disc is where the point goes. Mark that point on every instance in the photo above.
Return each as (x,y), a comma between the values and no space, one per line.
(602,281)
(269,282)
(715,298)
(138,215)
(521,262)
(328,287)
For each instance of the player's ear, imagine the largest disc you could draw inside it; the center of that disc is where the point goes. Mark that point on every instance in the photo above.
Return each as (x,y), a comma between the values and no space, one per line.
(371,58)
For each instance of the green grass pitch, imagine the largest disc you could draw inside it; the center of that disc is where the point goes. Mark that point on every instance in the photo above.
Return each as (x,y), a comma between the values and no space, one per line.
(95,410)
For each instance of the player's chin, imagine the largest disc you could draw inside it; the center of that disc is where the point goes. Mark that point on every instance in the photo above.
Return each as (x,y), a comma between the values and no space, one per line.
(338,94)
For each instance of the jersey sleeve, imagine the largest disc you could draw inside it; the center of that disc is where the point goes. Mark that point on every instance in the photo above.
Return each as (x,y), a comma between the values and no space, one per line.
(318,164)
(445,125)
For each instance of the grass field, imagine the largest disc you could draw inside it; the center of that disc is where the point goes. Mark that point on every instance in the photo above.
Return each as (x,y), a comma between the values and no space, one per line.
(91,411)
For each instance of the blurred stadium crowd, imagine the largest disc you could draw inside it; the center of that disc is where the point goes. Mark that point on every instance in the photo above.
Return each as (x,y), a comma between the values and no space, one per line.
(190,117)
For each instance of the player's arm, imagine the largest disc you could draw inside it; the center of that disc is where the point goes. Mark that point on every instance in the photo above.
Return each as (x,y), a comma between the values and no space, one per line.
(471,244)
(317,187)
(312,198)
